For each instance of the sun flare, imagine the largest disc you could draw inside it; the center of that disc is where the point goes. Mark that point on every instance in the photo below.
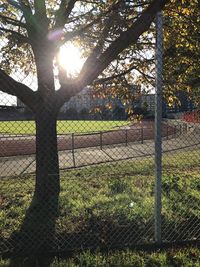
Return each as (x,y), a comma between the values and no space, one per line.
(70,59)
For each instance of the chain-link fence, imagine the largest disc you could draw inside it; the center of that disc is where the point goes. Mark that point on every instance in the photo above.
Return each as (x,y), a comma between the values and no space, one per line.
(119,184)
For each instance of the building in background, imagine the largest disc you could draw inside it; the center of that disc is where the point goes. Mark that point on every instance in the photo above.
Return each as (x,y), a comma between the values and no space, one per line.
(82,100)
(183,103)
(84,104)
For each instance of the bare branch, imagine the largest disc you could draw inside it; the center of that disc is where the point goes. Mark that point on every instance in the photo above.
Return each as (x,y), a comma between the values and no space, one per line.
(106,79)
(25,6)
(101,39)
(75,18)
(22,38)
(25,9)
(15,4)
(24,93)
(93,68)
(134,67)
(12,21)
(63,12)
(70,35)
(145,75)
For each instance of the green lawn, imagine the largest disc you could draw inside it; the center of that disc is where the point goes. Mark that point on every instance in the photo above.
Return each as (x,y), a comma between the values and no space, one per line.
(28,127)
(119,196)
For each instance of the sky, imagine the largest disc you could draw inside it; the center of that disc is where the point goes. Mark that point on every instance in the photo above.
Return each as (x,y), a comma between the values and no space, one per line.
(8,100)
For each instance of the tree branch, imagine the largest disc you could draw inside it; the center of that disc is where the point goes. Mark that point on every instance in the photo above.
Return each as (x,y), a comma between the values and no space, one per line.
(15,4)
(24,93)
(70,35)
(63,12)
(101,39)
(12,21)
(41,16)
(135,67)
(106,79)
(40,8)
(21,37)
(92,68)
(25,9)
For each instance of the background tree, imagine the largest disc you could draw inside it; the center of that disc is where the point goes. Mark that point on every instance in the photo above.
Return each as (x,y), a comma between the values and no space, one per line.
(181,48)
(32,32)
(181,60)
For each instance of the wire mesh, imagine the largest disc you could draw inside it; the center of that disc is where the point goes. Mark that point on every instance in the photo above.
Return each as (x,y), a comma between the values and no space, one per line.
(84,180)
(107,184)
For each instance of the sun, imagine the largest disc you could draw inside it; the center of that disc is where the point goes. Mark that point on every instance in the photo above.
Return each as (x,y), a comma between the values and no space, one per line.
(70,59)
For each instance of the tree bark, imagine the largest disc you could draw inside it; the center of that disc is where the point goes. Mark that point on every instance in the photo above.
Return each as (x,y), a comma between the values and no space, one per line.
(47,168)
(37,233)
(36,237)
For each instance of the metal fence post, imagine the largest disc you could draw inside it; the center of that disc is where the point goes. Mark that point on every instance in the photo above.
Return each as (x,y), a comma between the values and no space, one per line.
(142,136)
(158,125)
(101,140)
(167,132)
(73,156)
(126,137)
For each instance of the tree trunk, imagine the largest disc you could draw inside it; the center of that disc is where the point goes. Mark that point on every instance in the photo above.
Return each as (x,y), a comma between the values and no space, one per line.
(47,168)
(37,233)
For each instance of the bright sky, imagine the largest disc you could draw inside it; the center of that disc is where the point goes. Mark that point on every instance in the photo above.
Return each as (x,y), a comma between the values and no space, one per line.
(69,57)
(30,80)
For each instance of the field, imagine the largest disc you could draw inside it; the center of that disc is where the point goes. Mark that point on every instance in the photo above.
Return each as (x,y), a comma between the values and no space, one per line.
(28,127)
(105,202)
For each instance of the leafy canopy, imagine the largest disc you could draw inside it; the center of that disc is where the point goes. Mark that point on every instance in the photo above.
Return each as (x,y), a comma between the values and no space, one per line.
(181,48)
(115,37)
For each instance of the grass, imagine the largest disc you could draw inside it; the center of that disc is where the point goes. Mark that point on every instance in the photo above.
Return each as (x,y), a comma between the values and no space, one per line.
(121,193)
(187,257)
(113,204)
(177,258)
(28,127)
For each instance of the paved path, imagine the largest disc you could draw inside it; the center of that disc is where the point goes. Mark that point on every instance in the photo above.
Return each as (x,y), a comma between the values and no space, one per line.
(18,165)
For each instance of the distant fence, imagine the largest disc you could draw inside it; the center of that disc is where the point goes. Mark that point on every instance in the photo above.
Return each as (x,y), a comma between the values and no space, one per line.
(14,145)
